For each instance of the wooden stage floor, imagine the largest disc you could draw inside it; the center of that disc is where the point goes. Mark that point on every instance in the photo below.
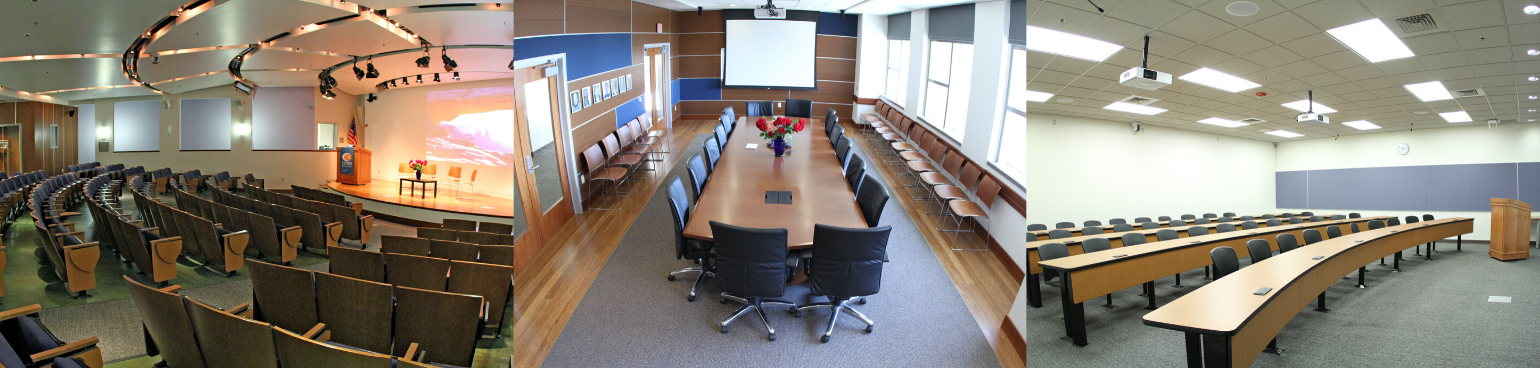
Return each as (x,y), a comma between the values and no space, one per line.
(384,191)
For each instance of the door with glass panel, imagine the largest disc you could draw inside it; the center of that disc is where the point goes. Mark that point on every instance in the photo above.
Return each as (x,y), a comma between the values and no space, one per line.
(655,82)
(540,170)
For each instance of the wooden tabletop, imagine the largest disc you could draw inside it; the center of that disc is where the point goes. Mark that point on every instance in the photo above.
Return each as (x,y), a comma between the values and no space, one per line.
(1228,308)
(1132,253)
(735,194)
(1167,223)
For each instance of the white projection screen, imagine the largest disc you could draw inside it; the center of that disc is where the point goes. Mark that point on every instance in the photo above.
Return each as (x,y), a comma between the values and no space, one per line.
(283,118)
(770,54)
(206,124)
(136,126)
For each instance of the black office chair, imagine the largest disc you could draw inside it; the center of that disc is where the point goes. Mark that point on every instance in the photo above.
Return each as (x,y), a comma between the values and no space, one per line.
(846,265)
(1377,224)
(1353,227)
(1176,223)
(1432,246)
(1393,222)
(1116,221)
(1189,217)
(1248,225)
(1427,217)
(1037,227)
(1337,217)
(1224,228)
(1048,252)
(839,132)
(1225,261)
(1313,236)
(1166,234)
(1059,234)
(1248,218)
(721,136)
(1288,214)
(1202,221)
(872,198)
(1287,242)
(698,173)
(1163,218)
(686,248)
(1133,239)
(1121,228)
(1092,223)
(1413,220)
(1274,222)
(1094,245)
(842,150)
(829,121)
(1268,217)
(1317,219)
(1355,215)
(1259,250)
(1197,231)
(713,152)
(1333,232)
(1229,214)
(799,108)
(759,108)
(1296,220)
(1140,220)
(1064,225)
(1225,219)
(1307,213)
(855,169)
(1147,225)
(1092,230)
(1210,215)
(728,122)
(751,267)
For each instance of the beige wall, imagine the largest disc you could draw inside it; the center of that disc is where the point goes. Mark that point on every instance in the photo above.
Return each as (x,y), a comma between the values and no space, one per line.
(279,168)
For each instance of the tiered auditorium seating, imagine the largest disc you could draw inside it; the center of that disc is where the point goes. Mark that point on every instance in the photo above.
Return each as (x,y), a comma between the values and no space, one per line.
(15,191)
(164,180)
(130,239)
(219,249)
(413,262)
(73,259)
(268,238)
(324,197)
(315,235)
(188,333)
(495,248)
(354,226)
(26,342)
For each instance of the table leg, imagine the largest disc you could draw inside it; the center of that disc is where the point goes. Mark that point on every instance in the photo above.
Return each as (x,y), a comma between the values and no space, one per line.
(1194,350)
(1534,227)
(1458,243)
(1397,266)
(398,186)
(1149,292)
(1034,291)
(1216,351)
(1272,347)
(1361,278)
(1430,252)
(1320,303)
(1074,313)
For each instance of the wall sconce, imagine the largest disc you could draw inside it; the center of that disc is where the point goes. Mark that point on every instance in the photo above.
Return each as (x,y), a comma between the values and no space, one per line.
(242,129)
(103,133)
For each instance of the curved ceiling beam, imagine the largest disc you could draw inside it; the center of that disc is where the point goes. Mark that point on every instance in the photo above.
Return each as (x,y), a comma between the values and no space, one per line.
(379,86)
(160,28)
(364,14)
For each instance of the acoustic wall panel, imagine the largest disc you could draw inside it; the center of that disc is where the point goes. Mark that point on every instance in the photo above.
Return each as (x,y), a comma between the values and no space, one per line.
(836,24)
(86,134)
(136,126)
(673,92)
(1529,183)
(283,118)
(1469,187)
(629,110)
(1375,188)
(1291,189)
(206,124)
(587,54)
(694,89)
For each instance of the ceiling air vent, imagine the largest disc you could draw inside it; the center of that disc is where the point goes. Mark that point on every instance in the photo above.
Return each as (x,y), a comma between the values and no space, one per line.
(1463,93)
(1138,100)
(1419,23)
(1250,121)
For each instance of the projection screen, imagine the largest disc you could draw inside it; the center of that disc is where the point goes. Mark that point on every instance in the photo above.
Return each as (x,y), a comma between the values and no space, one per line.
(770,54)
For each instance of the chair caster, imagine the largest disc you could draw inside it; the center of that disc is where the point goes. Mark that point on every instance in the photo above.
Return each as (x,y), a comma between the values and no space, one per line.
(722,301)
(772,337)
(824,339)
(724,329)
(690,298)
(795,312)
(862,301)
(670,277)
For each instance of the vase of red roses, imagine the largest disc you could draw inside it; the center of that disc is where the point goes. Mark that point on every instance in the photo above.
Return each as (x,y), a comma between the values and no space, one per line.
(418,165)
(779,131)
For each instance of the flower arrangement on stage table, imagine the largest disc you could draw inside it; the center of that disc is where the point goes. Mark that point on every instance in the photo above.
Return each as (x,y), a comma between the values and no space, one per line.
(417,165)
(779,131)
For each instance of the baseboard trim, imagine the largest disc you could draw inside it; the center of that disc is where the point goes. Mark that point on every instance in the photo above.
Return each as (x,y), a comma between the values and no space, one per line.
(1009,330)
(999,252)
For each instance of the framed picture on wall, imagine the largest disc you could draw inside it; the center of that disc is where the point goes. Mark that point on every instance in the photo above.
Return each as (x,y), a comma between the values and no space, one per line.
(575,101)
(615,85)
(599,94)
(606,86)
(628,82)
(622,83)
(588,97)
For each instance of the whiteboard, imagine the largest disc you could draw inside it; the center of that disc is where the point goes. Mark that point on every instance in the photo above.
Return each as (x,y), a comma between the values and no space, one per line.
(770,54)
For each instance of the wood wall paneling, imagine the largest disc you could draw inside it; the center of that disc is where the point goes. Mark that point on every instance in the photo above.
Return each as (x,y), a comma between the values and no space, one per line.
(836,47)
(639,43)
(700,67)
(845,112)
(598,16)
(707,109)
(36,152)
(829,92)
(593,122)
(755,94)
(645,18)
(836,70)
(538,17)
(710,21)
(702,43)
(586,135)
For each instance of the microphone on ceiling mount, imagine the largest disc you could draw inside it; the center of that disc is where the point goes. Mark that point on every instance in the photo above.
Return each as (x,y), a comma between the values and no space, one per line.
(1098,8)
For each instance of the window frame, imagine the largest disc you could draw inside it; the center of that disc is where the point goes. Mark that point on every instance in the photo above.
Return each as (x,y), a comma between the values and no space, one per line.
(928,81)
(899,70)
(1010,170)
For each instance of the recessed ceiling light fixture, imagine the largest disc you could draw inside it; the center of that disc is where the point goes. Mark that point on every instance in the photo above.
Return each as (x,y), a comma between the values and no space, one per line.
(1304,106)
(1533,52)
(1532,9)
(1361,125)
(1285,134)
(1371,40)
(1222,122)
(1533,78)
(1134,108)
(1036,96)
(1220,80)
(1075,46)
(1455,117)
(1430,91)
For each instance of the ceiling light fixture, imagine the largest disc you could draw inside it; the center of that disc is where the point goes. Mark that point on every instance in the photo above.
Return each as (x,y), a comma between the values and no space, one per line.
(1134,108)
(405,82)
(1075,46)
(1361,125)
(1430,91)
(1455,117)
(423,61)
(373,73)
(1222,122)
(1533,52)
(1306,106)
(449,64)
(1220,80)
(457,76)
(435,77)
(419,79)
(1532,9)
(1285,134)
(1533,78)
(1036,96)
(356,71)
(371,98)
(392,82)
(1371,40)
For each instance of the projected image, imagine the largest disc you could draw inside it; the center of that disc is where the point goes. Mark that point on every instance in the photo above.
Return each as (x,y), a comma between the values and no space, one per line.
(471,126)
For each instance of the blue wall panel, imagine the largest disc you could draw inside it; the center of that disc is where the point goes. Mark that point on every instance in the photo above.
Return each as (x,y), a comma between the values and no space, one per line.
(587,54)
(673,92)
(1529,183)
(1291,189)
(1375,188)
(629,110)
(838,25)
(698,89)
(1469,187)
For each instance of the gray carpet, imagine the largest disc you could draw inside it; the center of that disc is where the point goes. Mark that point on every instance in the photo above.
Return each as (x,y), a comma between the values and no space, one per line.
(1430,314)
(632,316)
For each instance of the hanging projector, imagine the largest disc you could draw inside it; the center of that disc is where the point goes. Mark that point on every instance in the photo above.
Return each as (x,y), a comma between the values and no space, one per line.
(1142,77)
(769,11)
(1310,117)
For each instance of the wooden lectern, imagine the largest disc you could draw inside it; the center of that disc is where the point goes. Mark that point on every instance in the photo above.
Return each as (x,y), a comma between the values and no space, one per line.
(358,172)
(1510,229)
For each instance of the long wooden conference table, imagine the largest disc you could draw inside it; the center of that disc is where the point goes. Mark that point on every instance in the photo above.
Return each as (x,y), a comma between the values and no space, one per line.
(1087,276)
(735,193)
(1227,323)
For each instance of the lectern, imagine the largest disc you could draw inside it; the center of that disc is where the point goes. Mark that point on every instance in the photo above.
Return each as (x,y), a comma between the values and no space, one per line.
(353,165)
(1510,229)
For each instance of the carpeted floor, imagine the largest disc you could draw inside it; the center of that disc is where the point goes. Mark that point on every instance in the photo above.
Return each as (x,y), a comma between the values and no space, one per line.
(1430,314)
(632,316)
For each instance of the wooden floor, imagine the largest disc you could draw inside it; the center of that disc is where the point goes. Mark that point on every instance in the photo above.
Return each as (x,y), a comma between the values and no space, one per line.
(547,291)
(386,191)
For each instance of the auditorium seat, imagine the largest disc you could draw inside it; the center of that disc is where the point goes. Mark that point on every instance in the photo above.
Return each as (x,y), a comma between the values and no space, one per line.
(452,250)
(444,325)
(404,245)
(359,264)
(427,273)
(357,312)
(494,282)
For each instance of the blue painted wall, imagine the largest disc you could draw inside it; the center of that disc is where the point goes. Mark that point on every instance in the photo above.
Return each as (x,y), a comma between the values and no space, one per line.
(587,54)
(700,89)
(1466,187)
(629,110)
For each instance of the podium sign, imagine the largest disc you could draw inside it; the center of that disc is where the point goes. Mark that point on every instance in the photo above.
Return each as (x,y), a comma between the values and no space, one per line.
(345,160)
(353,165)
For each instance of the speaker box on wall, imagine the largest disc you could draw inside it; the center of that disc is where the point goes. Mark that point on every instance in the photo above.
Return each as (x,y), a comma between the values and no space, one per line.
(103,146)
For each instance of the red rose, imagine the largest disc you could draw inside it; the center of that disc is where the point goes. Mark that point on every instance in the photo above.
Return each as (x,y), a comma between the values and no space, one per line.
(799,126)
(761,125)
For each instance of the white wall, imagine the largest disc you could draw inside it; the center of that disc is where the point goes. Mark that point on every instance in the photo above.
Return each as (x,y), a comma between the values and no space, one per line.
(1089,169)
(871,59)
(1446,146)
(87,132)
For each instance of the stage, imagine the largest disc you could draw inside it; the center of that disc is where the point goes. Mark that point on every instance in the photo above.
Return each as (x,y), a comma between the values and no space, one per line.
(381,196)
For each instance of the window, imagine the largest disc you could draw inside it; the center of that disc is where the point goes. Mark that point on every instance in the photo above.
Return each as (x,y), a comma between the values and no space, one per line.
(898,59)
(1010,153)
(945,103)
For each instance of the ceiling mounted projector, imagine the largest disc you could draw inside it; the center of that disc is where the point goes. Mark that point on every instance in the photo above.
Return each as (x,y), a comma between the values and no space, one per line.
(769,11)
(1142,77)
(1310,117)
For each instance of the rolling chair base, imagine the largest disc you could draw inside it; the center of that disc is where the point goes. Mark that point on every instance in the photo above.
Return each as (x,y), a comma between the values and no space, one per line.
(836,305)
(699,278)
(756,305)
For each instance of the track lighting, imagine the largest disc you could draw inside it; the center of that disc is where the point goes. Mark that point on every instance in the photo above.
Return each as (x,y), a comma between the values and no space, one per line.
(330,81)
(422,62)
(371,98)
(356,71)
(457,76)
(449,64)
(373,73)
(510,64)
(435,77)
(419,79)
(392,82)
(405,82)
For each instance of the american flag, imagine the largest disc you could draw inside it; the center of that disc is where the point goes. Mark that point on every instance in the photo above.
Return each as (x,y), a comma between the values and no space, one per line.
(353,132)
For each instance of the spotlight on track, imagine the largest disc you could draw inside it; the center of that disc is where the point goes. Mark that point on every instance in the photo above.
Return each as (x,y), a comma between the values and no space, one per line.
(371,98)
(392,82)
(510,64)
(422,62)
(405,82)
(457,76)
(331,81)
(373,73)
(449,64)
(356,71)
(435,77)
(419,79)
